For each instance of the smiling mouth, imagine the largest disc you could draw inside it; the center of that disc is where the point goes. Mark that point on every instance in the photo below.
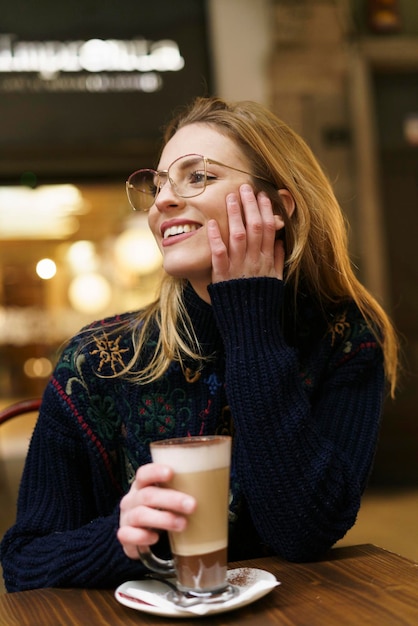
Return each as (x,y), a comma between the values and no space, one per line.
(180,230)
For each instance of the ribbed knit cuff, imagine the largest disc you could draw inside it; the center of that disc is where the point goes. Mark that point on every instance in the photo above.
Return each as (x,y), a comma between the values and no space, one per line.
(248,310)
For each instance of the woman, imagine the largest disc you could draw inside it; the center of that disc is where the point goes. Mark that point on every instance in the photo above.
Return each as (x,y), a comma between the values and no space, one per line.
(260,330)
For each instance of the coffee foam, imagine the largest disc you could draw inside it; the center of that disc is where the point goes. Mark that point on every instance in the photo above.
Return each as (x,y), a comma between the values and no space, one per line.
(194,456)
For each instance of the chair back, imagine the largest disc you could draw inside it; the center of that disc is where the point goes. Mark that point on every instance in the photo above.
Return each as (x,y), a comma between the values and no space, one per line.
(19,408)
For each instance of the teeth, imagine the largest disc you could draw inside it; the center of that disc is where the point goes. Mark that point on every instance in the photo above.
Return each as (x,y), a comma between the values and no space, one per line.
(179,230)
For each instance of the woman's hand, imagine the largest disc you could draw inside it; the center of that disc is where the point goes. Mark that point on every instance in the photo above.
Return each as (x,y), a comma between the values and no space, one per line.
(252,249)
(148,509)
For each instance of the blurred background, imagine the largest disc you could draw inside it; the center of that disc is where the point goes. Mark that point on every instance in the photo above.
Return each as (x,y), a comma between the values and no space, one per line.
(85,88)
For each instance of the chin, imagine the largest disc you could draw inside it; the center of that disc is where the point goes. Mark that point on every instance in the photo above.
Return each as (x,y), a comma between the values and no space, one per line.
(189,272)
(187,267)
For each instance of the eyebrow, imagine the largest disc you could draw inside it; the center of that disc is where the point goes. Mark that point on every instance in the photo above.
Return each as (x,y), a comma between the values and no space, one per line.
(191,160)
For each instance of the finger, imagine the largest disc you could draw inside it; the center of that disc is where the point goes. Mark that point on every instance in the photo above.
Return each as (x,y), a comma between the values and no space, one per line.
(155,498)
(253,218)
(131,538)
(143,518)
(141,525)
(237,229)
(159,509)
(261,232)
(269,223)
(167,499)
(151,474)
(220,258)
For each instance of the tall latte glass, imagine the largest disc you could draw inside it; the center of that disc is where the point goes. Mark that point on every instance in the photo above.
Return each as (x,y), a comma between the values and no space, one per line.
(201,469)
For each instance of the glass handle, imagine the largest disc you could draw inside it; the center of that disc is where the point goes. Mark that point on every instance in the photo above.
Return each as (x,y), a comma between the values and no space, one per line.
(154,563)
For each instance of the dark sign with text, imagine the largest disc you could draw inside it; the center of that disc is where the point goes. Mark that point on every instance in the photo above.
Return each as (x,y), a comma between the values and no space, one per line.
(85,90)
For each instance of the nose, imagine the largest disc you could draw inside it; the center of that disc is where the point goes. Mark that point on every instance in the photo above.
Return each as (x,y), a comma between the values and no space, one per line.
(167,197)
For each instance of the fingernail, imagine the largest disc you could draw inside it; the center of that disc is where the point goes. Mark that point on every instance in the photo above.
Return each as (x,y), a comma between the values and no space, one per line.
(165,473)
(179,524)
(188,505)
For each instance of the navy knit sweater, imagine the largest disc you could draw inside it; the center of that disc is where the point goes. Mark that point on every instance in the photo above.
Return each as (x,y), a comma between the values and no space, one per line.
(301,394)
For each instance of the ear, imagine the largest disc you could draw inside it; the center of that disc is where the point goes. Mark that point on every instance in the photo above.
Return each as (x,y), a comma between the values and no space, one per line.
(289,205)
(288,201)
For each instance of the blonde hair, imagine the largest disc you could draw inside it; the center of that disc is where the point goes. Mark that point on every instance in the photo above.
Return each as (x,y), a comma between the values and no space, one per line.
(315,235)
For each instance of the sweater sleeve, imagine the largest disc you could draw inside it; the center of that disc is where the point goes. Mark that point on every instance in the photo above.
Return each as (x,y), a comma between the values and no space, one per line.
(68,505)
(303,455)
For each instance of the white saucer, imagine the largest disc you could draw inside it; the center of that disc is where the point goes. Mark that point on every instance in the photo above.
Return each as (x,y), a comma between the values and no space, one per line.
(150,596)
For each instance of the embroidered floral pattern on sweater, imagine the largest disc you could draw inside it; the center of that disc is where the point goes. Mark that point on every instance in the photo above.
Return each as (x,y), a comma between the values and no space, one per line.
(191,376)
(226,423)
(109,351)
(339,327)
(160,412)
(347,335)
(351,335)
(102,412)
(213,382)
(73,363)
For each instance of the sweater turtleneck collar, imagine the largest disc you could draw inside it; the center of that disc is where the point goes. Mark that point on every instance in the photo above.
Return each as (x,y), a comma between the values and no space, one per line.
(203,320)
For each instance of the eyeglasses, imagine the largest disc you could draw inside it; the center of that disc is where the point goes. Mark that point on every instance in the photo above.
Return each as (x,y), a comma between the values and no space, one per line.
(188,176)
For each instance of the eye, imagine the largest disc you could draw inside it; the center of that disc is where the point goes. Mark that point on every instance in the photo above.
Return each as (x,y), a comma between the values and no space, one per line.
(196,177)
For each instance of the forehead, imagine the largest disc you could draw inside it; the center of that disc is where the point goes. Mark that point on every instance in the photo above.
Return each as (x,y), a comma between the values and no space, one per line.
(201,139)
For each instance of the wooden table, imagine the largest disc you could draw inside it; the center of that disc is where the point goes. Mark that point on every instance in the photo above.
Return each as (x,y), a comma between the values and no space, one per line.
(353,586)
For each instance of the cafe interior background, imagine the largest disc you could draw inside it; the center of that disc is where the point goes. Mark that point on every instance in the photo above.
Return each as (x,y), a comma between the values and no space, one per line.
(84,90)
